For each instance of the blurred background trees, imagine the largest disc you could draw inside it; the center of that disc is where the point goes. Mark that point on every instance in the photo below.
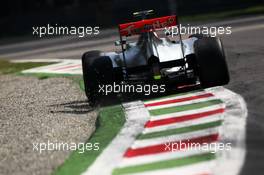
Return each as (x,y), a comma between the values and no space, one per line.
(17,16)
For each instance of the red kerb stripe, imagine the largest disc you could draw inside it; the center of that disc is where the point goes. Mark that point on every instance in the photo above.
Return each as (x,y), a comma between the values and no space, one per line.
(171,120)
(179,100)
(67,67)
(177,146)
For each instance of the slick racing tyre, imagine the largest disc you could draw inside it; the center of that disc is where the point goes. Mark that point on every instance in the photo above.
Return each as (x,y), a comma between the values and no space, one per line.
(211,62)
(199,36)
(97,71)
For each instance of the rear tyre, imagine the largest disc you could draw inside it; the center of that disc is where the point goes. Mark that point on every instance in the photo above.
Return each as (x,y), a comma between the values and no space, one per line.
(97,71)
(199,36)
(211,62)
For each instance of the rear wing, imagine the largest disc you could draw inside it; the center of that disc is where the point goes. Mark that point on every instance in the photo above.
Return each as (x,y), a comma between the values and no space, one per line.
(147,25)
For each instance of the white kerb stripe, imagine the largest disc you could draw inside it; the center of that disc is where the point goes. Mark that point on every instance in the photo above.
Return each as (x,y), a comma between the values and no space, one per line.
(176,97)
(174,138)
(188,123)
(182,103)
(145,159)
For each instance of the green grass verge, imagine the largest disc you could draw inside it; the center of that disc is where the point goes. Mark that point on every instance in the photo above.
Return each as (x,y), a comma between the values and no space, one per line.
(165,164)
(7,67)
(109,123)
(48,75)
(173,109)
(182,130)
(254,10)
(77,79)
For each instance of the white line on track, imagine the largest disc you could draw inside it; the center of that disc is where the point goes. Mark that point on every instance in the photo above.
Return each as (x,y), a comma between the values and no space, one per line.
(247,28)
(58,48)
(235,21)
(39,60)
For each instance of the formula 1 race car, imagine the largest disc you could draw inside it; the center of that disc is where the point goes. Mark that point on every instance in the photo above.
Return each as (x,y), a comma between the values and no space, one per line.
(154,59)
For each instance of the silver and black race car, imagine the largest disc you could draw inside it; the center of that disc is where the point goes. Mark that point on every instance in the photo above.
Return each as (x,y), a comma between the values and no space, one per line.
(153,59)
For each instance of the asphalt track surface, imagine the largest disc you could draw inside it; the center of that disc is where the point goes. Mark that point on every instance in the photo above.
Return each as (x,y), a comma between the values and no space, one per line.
(244,49)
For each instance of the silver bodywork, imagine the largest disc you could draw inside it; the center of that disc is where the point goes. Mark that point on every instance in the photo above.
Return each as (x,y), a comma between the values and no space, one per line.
(137,53)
